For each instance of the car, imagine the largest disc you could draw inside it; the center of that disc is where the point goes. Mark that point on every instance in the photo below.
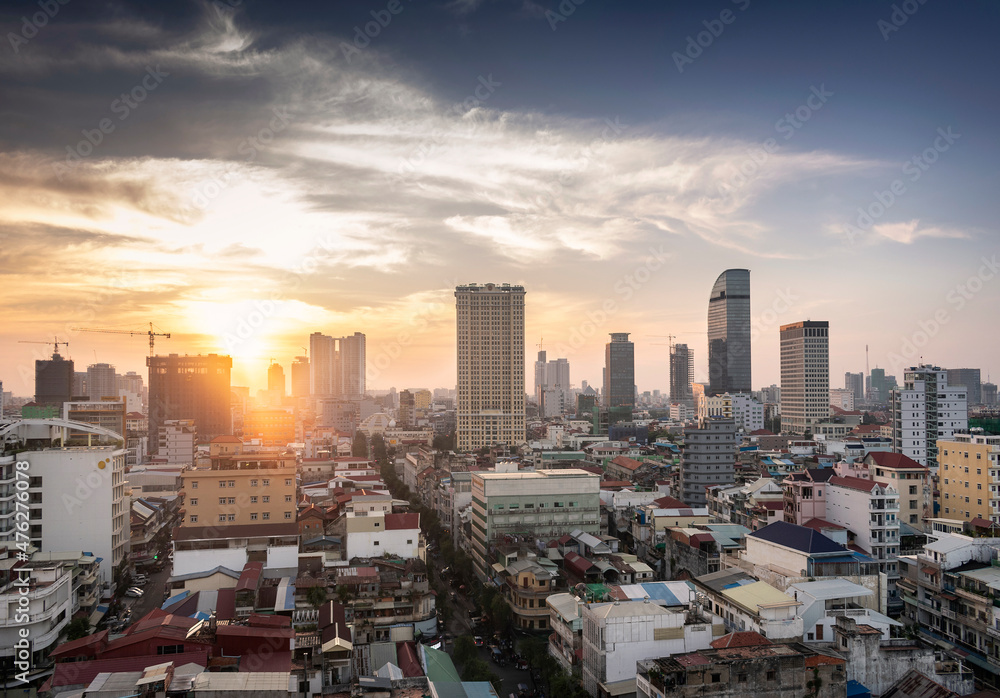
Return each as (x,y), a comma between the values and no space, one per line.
(522,664)
(134,593)
(479,641)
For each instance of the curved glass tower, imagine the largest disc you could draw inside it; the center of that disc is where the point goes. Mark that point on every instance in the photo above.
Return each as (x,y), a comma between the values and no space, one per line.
(729,333)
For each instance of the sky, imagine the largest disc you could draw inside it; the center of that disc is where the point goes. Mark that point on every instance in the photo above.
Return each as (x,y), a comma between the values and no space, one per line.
(244,173)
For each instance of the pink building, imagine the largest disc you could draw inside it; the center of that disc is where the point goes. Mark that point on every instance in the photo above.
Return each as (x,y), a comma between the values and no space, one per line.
(805,495)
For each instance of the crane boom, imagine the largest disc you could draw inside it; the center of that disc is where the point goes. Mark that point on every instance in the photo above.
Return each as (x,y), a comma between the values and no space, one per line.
(55,344)
(132,333)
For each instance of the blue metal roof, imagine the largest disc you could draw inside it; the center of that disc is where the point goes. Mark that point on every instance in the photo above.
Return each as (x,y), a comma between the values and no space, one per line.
(857,690)
(838,558)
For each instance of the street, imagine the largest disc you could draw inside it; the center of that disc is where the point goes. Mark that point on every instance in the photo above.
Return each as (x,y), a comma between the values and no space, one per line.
(152,596)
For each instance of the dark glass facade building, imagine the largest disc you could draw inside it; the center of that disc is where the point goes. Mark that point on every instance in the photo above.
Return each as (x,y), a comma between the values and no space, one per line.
(619,372)
(190,387)
(53,381)
(729,333)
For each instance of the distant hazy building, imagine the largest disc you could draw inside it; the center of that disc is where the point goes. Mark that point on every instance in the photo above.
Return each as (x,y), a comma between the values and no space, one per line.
(842,398)
(102,382)
(53,381)
(337,365)
(805,375)
(729,333)
(490,329)
(681,374)
(191,387)
(708,458)
(743,409)
(552,391)
(406,410)
(971,380)
(880,385)
(619,372)
(855,382)
(276,381)
(925,410)
(109,414)
(989,394)
(131,389)
(300,376)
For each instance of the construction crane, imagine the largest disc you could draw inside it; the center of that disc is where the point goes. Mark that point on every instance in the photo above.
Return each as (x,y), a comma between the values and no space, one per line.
(132,333)
(55,344)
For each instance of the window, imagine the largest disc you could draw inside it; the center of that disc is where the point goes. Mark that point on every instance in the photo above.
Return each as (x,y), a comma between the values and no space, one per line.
(230,517)
(253,483)
(742,678)
(232,500)
(265,482)
(222,518)
(409,541)
(222,483)
(253,500)
(288,498)
(193,518)
(232,483)
(194,484)
(194,501)
(288,482)
(267,516)
(772,675)
(222,500)
(253,515)
(266,499)
(716,678)
(288,514)
(376,543)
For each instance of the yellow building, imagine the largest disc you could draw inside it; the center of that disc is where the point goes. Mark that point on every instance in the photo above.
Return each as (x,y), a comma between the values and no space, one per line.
(968,467)
(273,427)
(240,490)
(911,480)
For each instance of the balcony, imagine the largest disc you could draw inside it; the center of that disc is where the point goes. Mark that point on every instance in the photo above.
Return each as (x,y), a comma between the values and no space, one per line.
(970,594)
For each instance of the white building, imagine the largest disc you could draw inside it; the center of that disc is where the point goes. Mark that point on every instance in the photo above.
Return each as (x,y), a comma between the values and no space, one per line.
(76,492)
(55,586)
(376,533)
(825,600)
(842,398)
(178,439)
(740,407)
(925,410)
(490,328)
(617,635)
(552,390)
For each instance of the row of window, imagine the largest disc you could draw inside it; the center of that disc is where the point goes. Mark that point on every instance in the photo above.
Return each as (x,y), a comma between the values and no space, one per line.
(223,518)
(266,499)
(265,482)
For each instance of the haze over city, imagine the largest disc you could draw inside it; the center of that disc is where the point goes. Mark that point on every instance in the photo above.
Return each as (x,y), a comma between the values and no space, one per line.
(193,164)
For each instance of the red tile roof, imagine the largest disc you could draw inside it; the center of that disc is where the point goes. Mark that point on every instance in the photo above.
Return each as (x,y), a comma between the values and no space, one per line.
(626,462)
(250,577)
(740,639)
(577,563)
(854,483)
(89,646)
(402,522)
(820,524)
(669,502)
(895,460)
(82,673)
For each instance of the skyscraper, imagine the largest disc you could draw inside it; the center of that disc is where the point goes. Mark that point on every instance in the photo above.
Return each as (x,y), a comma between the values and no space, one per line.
(102,382)
(490,336)
(322,365)
(729,333)
(970,379)
(619,372)
(805,375)
(53,381)
(337,365)
(551,386)
(855,382)
(276,381)
(351,355)
(300,376)
(681,374)
(925,410)
(190,387)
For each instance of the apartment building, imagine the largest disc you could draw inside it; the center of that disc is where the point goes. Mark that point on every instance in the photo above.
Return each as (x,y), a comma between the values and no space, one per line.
(740,407)
(926,409)
(616,635)
(911,480)
(709,458)
(240,490)
(377,533)
(490,328)
(541,504)
(75,477)
(273,427)
(968,476)
(805,376)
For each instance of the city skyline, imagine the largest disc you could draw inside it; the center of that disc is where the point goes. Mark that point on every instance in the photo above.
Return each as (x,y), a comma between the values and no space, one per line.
(177,211)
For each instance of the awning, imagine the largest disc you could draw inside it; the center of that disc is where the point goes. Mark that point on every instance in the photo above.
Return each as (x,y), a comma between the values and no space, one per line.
(928,570)
(948,597)
(96,616)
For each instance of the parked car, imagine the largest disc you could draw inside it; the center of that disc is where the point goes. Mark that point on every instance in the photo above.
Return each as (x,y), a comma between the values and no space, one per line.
(478,640)
(498,656)
(134,593)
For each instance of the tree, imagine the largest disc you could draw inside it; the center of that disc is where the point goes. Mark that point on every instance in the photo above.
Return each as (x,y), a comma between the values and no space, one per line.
(500,614)
(478,670)
(359,449)
(464,649)
(316,596)
(343,594)
(77,628)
